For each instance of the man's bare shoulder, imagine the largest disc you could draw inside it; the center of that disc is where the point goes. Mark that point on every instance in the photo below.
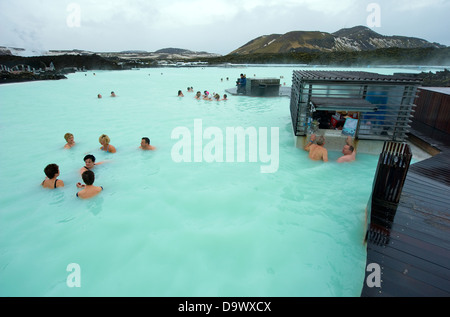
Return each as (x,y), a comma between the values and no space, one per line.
(345,158)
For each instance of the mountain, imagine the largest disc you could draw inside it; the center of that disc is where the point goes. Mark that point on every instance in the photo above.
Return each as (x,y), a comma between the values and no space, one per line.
(358,38)
(171,50)
(165,53)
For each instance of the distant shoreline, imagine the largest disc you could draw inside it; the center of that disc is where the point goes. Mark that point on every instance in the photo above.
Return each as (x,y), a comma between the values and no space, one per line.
(437,79)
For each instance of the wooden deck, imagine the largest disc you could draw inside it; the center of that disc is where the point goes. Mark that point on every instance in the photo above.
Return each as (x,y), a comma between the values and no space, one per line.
(414,254)
(284,91)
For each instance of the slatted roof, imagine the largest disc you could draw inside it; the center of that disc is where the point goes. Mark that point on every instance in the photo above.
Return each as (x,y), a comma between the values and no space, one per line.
(354,76)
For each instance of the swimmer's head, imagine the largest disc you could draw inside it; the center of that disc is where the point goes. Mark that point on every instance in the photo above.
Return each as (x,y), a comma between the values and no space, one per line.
(320,140)
(51,170)
(67,136)
(104,139)
(89,157)
(88,177)
(146,140)
(348,149)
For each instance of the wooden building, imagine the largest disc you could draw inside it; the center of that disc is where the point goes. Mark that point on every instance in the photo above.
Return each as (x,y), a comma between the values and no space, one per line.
(365,105)
(432,114)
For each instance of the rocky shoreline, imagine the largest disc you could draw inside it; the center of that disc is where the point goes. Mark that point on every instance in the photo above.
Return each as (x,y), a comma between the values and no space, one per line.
(8,78)
(438,79)
(21,69)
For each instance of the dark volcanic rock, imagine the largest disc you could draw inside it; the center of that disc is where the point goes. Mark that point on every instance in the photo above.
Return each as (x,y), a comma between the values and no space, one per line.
(88,62)
(430,79)
(6,77)
(62,65)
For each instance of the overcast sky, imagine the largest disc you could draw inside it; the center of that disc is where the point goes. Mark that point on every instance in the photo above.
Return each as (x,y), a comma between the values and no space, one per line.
(215,26)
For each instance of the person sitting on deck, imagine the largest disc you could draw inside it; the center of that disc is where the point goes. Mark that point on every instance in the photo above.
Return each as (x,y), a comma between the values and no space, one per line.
(317,151)
(348,150)
(52,173)
(242,83)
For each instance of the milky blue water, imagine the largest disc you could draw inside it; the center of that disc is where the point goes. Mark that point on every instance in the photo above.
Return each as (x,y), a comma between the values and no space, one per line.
(162,228)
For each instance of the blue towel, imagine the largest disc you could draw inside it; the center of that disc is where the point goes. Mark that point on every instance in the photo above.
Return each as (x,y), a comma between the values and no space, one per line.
(350,127)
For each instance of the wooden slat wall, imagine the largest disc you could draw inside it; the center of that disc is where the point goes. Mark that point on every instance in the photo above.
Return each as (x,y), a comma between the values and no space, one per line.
(433,109)
(443,117)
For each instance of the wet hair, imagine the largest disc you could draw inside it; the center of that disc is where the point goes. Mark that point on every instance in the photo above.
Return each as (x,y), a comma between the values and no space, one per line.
(104,137)
(351,148)
(320,140)
(147,140)
(67,135)
(88,177)
(89,156)
(51,170)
